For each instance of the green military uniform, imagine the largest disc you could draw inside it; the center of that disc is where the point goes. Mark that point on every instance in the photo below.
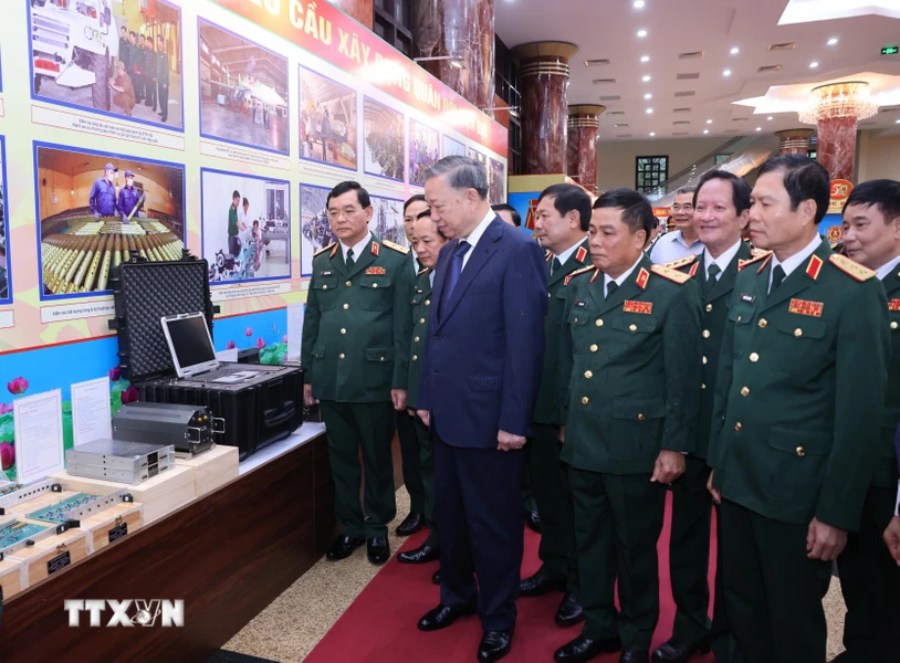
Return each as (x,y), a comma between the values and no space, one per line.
(548,482)
(421,310)
(870,579)
(800,388)
(356,348)
(691,503)
(633,389)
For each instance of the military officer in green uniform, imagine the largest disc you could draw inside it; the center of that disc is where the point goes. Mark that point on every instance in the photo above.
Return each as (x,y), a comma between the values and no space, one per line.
(427,242)
(560,224)
(870,580)
(799,397)
(630,359)
(721,205)
(356,347)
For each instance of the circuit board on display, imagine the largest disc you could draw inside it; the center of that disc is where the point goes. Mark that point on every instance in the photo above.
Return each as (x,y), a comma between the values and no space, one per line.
(17,532)
(59,513)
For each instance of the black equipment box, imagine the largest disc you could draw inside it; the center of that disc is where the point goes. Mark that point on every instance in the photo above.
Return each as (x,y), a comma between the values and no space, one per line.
(188,428)
(256,412)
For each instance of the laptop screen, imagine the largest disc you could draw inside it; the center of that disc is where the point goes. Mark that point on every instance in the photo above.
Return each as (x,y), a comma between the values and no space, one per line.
(190,343)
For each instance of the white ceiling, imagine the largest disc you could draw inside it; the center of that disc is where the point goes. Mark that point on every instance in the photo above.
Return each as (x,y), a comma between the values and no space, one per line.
(608,28)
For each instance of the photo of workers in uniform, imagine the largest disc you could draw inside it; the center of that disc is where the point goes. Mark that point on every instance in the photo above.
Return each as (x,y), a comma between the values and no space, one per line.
(5,285)
(116,58)
(96,210)
(387,220)
(246,226)
(452,147)
(496,182)
(243,91)
(328,127)
(423,151)
(383,129)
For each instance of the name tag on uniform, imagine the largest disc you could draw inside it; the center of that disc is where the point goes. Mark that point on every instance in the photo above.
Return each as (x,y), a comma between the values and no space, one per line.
(376,270)
(580,304)
(747,298)
(894,305)
(328,273)
(806,307)
(631,306)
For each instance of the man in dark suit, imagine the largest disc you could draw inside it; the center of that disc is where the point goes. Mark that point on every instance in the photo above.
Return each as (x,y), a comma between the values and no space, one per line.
(356,347)
(162,77)
(870,580)
(560,223)
(721,205)
(478,385)
(630,378)
(799,399)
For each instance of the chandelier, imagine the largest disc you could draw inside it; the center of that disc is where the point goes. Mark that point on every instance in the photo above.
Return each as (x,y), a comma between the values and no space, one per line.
(846,99)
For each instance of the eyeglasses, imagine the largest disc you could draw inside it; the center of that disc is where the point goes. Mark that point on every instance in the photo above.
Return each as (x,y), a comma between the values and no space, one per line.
(683,208)
(347,212)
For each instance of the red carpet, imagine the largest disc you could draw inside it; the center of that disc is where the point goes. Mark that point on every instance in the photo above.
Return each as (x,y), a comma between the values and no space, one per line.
(380,625)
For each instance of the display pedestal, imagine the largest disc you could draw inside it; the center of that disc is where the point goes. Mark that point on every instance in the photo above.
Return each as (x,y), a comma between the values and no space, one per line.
(11,579)
(212,468)
(227,555)
(50,555)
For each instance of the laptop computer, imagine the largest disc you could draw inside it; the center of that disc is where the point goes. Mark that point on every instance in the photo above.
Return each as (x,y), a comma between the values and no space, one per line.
(191,348)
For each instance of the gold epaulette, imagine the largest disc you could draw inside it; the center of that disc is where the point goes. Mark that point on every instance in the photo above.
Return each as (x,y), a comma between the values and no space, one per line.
(670,274)
(572,275)
(324,249)
(680,262)
(396,247)
(422,271)
(850,267)
(548,254)
(758,254)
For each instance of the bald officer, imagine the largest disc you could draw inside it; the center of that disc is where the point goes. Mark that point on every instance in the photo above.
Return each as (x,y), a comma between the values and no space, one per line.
(870,580)
(356,347)
(799,394)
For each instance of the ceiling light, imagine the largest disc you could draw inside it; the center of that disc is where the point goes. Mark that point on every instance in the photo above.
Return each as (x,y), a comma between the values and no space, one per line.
(709,121)
(649,111)
(770,118)
(645,58)
(759,128)
(648,96)
(896,121)
(645,78)
(641,33)
(726,72)
(638,4)
(706,131)
(832,41)
(734,50)
(813,65)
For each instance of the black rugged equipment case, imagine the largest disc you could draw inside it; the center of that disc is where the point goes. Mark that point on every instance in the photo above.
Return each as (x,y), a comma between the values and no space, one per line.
(257,412)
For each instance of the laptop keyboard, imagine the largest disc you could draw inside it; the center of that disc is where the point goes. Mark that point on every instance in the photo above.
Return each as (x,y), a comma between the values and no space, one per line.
(215,374)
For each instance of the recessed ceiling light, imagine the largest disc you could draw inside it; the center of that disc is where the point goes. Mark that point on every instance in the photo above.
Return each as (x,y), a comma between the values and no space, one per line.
(770,118)
(706,131)
(645,58)
(759,128)
(709,121)
(652,133)
(814,64)
(648,96)
(641,33)
(734,50)
(896,121)
(726,72)
(638,4)
(832,41)
(646,78)
(649,111)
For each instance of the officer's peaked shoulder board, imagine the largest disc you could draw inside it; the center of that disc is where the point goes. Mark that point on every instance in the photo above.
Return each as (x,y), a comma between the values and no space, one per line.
(325,248)
(396,247)
(850,267)
(757,257)
(670,274)
(424,270)
(577,272)
(680,262)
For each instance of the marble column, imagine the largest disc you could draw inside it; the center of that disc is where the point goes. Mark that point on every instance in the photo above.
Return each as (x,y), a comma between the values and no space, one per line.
(459,34)
(836,146)
(794,141)
(544,73)
(581,150)
(361,10)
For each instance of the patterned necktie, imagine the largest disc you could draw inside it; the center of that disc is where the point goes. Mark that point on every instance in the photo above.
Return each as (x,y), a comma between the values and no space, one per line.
(611,288)
(777,278)
(555,266)
(350,261)
(455,270)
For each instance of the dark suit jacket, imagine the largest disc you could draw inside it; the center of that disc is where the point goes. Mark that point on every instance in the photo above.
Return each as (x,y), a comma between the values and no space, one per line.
(485,344)
(886,463)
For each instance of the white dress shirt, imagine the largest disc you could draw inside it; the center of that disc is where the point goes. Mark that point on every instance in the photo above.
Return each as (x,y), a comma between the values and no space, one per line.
(476,234)
(672,246)
(621,278)
(887,268)
(792,263)
(721,262)
(358,248)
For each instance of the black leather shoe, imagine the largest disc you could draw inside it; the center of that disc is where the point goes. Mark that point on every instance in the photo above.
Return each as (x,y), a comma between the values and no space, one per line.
(540,583)
(533,520)
(411,524)
(583,649)
(634,656)
(494,645)
(343,547)
(675,651)
(569,611)
(442,616)
(436,577)
(419,555)
(377,550)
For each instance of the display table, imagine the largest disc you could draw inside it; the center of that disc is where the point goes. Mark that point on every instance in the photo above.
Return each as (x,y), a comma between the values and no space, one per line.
(227,554)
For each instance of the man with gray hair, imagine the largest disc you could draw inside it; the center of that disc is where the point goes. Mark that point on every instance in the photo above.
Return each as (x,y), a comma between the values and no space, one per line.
(482,361)
(684,240)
